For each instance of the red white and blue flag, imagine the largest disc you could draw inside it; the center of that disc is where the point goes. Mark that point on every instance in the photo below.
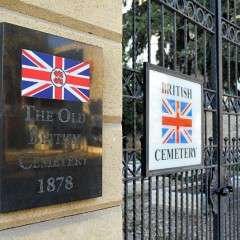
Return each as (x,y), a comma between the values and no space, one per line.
(176,121)
(53,77)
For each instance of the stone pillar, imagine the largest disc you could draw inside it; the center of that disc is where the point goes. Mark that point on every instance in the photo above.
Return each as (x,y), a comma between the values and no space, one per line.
(96,22)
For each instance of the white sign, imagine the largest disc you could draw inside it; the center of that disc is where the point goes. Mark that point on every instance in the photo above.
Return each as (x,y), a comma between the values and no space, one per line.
(173,121)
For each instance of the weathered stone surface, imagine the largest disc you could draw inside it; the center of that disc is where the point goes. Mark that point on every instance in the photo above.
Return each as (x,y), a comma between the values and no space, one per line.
(102,18)
(112,111)
(100,225)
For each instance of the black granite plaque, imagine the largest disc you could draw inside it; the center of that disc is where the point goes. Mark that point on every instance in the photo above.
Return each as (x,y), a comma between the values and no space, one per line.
(50,119)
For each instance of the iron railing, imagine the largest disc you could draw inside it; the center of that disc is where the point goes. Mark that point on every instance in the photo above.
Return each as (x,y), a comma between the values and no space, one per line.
(201,39)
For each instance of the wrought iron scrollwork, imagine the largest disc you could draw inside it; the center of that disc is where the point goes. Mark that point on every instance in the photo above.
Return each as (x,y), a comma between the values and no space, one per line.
(231,104)
(193,11)
(230,32)
(209,99)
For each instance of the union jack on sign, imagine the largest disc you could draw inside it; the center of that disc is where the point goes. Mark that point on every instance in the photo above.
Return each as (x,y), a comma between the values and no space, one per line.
(176,121)
(53,77)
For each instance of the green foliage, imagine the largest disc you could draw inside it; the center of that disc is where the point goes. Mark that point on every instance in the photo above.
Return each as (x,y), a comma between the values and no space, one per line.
(188,36)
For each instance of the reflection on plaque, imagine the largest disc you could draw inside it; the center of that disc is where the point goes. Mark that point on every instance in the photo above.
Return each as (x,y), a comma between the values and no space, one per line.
(51,119)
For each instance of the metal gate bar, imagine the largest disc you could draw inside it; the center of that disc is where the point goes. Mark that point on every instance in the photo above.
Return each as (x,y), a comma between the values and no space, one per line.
(189,37)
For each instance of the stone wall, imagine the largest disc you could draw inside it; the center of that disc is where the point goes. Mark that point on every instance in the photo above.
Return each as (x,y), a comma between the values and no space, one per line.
(97,23)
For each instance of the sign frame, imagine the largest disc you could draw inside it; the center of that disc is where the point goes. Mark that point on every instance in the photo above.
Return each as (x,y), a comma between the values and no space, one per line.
(146,172)
(51,150)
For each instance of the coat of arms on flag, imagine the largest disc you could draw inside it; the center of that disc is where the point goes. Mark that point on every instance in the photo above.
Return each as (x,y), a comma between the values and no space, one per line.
(53,77)
(176,121)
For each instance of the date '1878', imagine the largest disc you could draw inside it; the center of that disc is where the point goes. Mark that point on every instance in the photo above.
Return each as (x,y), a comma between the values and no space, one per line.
(55,184)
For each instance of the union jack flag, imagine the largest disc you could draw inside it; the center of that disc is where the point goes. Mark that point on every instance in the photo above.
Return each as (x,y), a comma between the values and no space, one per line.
(176,121)
(54,77)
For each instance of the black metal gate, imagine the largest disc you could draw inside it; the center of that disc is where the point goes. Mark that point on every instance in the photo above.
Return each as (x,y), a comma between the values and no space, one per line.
(200,38)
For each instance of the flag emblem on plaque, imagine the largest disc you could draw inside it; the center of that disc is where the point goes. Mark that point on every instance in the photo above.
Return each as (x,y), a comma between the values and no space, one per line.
(176,121)
(53,77)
